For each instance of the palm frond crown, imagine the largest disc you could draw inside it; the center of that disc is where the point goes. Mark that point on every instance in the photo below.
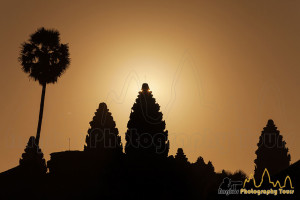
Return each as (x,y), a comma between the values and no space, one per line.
(43,57)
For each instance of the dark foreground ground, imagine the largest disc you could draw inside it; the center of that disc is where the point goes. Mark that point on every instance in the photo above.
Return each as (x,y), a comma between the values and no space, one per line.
(78,175)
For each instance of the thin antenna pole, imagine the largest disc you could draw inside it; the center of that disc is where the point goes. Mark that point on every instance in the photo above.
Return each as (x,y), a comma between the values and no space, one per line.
(69,144)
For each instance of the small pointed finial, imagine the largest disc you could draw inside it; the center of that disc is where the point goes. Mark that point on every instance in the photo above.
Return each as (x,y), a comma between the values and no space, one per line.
(103,106)
(180,150)
(145,87)
(270,122)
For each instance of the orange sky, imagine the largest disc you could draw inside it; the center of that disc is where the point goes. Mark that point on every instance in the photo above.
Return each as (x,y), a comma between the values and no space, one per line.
(218,69)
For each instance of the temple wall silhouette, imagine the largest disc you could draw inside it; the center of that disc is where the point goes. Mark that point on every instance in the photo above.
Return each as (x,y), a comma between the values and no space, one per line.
(66,162)
(101,170)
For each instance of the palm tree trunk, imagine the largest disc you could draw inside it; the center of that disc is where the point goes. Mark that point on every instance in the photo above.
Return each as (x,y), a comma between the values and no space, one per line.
(38,133)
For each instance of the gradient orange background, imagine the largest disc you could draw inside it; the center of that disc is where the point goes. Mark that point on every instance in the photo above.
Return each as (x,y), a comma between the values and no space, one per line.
(218,69)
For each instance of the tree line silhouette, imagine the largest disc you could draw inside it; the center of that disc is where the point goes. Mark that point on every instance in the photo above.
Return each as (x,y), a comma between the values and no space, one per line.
(145,170)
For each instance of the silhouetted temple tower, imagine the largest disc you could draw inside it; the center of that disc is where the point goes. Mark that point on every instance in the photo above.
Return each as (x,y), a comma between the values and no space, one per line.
(180,156)
(146,135)
(32,160)
(271,153)
(103,136)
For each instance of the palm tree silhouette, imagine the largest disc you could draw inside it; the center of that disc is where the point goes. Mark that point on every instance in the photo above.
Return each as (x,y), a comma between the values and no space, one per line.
(45,59)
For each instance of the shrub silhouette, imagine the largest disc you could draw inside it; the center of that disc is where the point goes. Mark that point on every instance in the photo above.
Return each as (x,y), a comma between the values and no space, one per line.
(203,179)
(200,165)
